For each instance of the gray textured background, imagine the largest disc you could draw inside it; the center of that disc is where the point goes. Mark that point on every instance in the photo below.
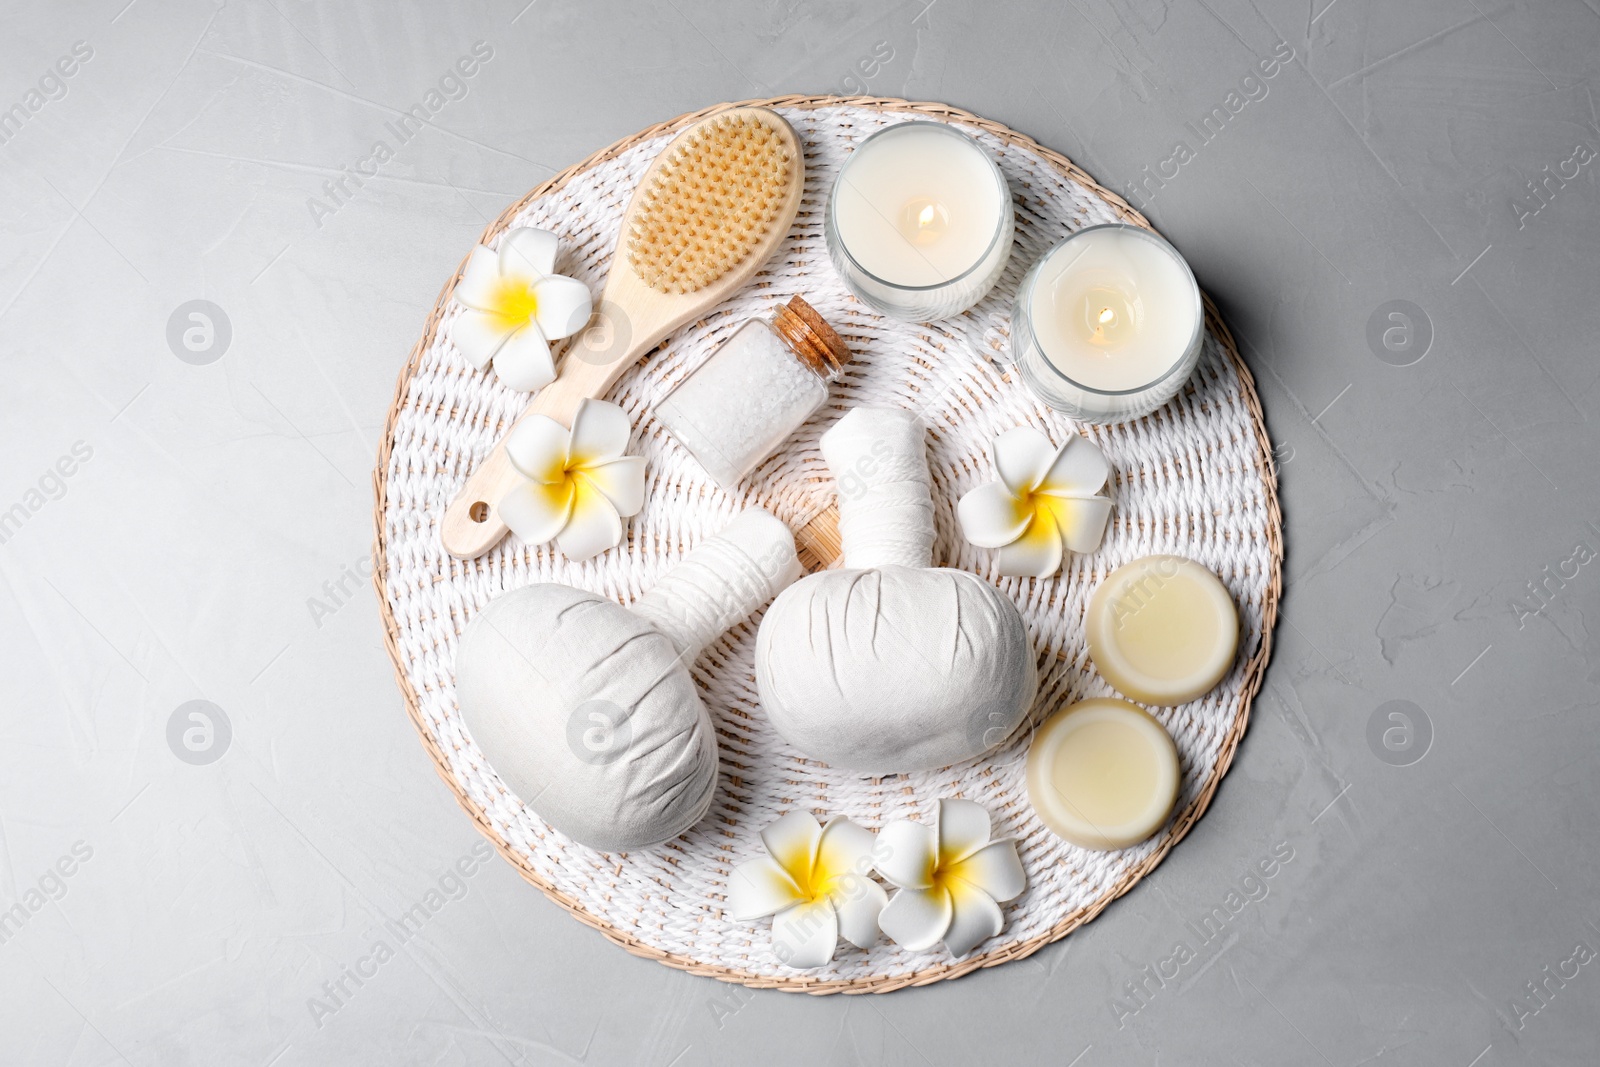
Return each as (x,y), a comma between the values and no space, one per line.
(219,504)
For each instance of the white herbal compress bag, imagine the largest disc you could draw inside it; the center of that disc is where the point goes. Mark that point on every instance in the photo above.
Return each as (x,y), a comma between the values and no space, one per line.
(891,665)
(586,709)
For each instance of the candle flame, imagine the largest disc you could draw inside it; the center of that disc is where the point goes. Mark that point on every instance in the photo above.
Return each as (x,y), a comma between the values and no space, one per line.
(1107,316)
(925,216)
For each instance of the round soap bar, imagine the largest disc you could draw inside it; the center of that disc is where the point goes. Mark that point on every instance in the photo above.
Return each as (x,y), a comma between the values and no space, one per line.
(1103,773)
(1162,630)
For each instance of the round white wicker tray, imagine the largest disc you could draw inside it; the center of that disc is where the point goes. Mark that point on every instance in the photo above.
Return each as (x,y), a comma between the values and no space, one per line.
(1195,478)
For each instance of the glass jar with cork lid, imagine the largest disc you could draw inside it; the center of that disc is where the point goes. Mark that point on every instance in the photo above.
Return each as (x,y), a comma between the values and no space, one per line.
(736,408)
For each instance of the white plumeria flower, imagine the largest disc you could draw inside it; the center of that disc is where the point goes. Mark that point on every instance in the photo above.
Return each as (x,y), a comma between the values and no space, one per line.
(951,879)
(579,484)
(815,882)
(1044,503)
(514,306)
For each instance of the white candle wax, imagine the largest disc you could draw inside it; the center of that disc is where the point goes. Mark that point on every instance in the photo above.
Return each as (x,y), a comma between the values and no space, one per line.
(1103,774)
(920,221)
(1162,629)
(1107,324)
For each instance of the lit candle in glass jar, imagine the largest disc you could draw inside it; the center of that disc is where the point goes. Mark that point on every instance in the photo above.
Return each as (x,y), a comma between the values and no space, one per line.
(1107,325)
(920,221)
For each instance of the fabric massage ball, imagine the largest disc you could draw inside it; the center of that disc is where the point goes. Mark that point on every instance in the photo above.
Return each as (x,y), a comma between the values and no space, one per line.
(891,665)
(586,709)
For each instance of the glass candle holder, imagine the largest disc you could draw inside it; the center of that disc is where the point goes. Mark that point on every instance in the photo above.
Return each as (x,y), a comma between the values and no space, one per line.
(1108,324)
(920,221)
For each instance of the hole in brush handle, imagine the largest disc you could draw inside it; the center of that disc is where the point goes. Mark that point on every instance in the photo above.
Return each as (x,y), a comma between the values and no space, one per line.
(470,526)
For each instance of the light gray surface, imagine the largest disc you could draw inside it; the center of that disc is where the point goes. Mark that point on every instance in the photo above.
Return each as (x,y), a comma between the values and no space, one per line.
(185,558)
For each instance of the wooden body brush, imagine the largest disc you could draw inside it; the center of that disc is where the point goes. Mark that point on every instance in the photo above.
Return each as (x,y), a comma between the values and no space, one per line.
(706,215)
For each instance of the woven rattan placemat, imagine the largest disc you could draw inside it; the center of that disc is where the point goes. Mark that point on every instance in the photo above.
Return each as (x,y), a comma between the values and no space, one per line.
(1195,478)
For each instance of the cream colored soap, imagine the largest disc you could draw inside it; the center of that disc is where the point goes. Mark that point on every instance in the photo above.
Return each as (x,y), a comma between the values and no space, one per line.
(1103,774)
(1162,630)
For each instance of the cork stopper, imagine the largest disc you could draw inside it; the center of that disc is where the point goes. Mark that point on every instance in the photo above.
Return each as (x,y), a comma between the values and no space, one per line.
(808,334)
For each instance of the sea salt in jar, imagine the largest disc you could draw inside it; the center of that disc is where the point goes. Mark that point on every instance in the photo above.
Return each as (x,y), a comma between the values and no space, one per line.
(736,408)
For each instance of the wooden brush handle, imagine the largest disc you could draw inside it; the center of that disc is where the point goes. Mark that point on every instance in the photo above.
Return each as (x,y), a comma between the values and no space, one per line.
(592,365)
(590,368)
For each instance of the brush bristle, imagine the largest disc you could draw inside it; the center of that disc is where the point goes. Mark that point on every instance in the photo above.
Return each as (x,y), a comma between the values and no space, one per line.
(710,203)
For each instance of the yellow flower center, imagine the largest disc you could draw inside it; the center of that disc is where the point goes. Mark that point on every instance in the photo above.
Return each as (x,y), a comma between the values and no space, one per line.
(556,473)
(514,302)
(810,884)
(1031,503)
(811,879)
